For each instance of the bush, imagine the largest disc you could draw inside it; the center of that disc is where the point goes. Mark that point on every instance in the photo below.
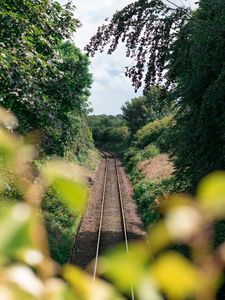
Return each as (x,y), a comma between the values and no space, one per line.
(133,156)
(110,133)
(155,132)
(130,157)
(129,153)
(146,192)
(119,134)
(149,152)
(59,223)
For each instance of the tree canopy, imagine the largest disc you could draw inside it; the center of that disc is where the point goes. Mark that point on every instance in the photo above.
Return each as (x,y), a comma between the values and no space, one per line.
(44,78)
(184,49)
(197,65)
(148,29)
(155,104)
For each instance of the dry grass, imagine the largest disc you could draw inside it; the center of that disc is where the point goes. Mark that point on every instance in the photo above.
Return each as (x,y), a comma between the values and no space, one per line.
(157,168)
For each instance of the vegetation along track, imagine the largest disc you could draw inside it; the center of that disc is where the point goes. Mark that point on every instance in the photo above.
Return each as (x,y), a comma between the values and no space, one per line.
(111,217)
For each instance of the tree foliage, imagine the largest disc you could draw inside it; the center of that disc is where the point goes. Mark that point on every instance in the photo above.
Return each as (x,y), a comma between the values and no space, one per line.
(102,126)
(148,29)
(187,49)
(197,66)
(68,101)
(158,132)
(43,79)
(155,104)
(109,132)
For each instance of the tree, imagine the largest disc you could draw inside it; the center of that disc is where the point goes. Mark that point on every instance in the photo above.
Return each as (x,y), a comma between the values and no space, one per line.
(187,50)
(135,113)
(110,132)
(68,99)
(197,65)
(44,78)
(148,29)
(30,33)
(155,104)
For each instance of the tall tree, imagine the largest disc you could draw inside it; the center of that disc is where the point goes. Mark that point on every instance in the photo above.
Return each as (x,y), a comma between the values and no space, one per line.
(43,79)
(197,65)
(30,33)
(67,91)
(187,49)
(155,104)
(148,29)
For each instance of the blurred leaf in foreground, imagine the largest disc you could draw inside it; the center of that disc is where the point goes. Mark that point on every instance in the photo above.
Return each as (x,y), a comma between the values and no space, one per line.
(125,269)
(211,194)
(176,276)
(85,288)
(8,119)
(67,182)
(14,228)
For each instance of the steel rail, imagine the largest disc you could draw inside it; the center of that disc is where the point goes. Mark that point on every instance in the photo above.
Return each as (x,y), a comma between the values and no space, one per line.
(121,205)
(122,215)
(122,211)
(101,217)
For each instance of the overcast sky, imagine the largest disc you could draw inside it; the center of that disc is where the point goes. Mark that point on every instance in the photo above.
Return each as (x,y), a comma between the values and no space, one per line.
(111,89)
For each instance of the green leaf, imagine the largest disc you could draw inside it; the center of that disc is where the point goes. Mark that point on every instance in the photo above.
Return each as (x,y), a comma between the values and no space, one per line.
(73,193)
(211,194)
(124,269)
(176,276)
(86,289)
(15,226)
(67,181)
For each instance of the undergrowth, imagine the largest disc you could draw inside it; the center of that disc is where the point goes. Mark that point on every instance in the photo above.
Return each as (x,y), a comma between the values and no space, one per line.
(147,195)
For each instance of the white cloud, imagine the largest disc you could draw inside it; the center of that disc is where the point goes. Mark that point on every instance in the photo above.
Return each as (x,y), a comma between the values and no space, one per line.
(111,88)
(92,13)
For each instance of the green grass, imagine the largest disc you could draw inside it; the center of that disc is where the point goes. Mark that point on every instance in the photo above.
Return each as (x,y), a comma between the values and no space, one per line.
(60,226)
(145,194)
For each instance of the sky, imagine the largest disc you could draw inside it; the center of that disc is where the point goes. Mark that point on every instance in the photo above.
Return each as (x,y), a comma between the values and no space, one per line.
(110,89)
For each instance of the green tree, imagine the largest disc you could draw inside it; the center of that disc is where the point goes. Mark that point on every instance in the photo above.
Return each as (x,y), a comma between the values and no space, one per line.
(135,113)
(155,104)
(67,93)
(30,33)
(102,125)
(197,65)
(44,78)
(110,132)
(187,50)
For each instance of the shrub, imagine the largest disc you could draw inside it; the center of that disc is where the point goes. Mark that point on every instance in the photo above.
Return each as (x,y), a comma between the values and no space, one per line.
(155,132)
(119,134)
(129,153)
(131,157)
(149,152)
(59,223)
(134,155)
(145,194)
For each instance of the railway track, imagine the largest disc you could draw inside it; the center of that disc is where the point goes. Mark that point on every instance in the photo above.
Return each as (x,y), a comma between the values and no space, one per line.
(104,223)
(112,216)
